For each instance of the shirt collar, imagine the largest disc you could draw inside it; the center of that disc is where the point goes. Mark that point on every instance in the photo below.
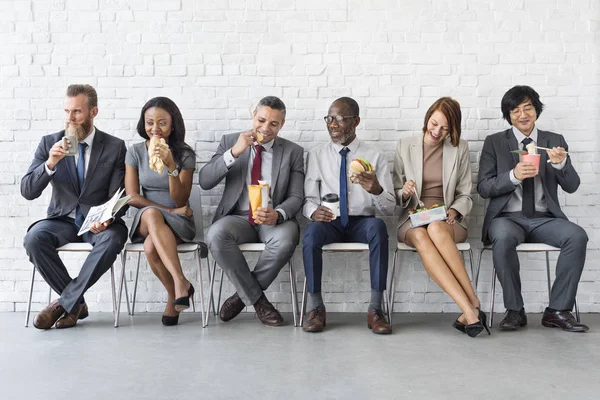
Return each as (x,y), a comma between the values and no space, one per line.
(353,146)
(89,140)
(268,146)
(519,135)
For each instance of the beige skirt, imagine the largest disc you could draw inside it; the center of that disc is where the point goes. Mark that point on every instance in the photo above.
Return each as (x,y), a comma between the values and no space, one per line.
(460,233)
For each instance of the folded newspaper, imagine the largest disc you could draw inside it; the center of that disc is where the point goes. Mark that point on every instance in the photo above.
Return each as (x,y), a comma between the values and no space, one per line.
(104,212)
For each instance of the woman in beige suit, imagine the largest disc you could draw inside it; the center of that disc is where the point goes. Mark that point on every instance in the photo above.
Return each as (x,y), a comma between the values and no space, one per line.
(434,167)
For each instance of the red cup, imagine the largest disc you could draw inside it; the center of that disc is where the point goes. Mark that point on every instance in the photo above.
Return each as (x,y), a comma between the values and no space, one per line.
(534,159)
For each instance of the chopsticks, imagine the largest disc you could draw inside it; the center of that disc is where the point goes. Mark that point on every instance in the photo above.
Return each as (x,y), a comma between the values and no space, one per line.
(545,148)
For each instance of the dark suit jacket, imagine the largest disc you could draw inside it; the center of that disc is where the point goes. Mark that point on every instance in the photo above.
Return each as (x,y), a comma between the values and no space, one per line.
(105,175)
(496,162)
(287,176)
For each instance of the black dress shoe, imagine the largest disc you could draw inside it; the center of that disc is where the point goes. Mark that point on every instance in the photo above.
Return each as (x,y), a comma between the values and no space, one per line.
(231,308)
(168,320)
(267,313)
(563,320)
(513,320)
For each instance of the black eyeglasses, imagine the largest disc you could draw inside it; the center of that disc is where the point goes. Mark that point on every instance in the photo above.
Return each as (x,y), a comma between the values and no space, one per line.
(339,118)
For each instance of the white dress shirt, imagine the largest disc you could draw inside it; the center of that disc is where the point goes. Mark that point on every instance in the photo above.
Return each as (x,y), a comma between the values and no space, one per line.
(515,203)
(323,177)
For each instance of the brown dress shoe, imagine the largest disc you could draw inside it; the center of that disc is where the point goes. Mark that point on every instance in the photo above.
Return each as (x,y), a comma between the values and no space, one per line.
(69,320)
(84,313)
(316,320)
(563,320)
(267,313)
(377,323)
(48,316)
(231,308)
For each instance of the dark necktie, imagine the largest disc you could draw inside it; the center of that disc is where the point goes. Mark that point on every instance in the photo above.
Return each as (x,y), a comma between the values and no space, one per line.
(528,209)
(344,188)
(79,218)
(255,175)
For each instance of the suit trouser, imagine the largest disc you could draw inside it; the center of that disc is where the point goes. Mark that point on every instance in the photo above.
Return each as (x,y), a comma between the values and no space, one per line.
(280,241)
(45,236)
(508,230)
(368,230)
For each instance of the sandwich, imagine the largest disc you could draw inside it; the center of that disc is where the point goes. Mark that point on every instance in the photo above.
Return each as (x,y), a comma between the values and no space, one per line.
(154,161)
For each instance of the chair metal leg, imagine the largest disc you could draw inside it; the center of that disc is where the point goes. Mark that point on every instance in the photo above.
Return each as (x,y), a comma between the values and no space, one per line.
(123,259)
(577,317)
(472,265)
(478,268)
(211,287)
(30,297)
(548,274)
(303,307)
(49,295)
(113,293)
(127,297)
(493,295)
(293,292)
(197,255)
(218,305)
(137,273)
(392,293)
(212,299)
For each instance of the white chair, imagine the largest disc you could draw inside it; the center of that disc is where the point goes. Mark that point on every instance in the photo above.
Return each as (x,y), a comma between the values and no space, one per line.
(71,248)
(253,248)
(342,247)
(198,247)
(462,247)
(522,248)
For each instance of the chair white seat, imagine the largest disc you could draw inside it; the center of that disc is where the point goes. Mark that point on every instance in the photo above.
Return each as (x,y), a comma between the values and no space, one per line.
(346,247)
(533,247)
(75,247)
(250,247)
(466,246)
(181,248)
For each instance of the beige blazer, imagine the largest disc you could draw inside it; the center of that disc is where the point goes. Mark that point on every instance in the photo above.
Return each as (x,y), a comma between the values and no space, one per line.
(456,175)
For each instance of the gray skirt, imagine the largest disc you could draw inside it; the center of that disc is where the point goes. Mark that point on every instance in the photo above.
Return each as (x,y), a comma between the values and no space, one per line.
(182,226)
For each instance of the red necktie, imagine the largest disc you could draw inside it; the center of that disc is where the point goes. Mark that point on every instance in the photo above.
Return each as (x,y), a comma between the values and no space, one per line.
(255,176)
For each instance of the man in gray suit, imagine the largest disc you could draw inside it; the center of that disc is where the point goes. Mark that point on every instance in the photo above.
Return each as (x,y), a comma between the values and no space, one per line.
(243,159)
(523,207)
(88,179)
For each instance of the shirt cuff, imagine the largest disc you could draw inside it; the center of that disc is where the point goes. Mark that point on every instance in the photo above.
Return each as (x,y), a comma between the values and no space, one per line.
(228,158)
(560,165)
(282,213)
(513,179)
(48,170)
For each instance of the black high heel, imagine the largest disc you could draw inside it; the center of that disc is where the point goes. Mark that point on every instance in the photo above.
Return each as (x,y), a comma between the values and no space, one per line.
(459,326)
(183,303)
(476,328)
(168,320)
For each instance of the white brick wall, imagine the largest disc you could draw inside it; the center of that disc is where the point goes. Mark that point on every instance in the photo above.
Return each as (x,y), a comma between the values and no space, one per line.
(217,58)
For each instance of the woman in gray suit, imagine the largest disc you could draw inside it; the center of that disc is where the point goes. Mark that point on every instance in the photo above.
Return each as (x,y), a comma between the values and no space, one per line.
(164,218)
(434,167)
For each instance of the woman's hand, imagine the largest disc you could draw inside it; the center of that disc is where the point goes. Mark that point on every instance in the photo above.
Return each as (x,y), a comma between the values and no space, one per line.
(408,189)
(452,216)
(164,153)
(185,210)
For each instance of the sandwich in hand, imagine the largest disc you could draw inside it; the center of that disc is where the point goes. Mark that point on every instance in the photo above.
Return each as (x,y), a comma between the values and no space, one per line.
(359,165)
(155,162)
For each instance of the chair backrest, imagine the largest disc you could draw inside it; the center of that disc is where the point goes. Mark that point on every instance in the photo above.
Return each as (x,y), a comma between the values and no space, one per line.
(196,206)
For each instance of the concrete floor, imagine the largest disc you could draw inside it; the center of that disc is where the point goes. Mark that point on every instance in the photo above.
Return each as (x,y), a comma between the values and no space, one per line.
(425,358)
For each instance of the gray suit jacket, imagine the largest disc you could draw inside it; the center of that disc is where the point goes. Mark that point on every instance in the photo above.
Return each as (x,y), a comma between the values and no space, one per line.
(497,161)
(105,175)
(287,179)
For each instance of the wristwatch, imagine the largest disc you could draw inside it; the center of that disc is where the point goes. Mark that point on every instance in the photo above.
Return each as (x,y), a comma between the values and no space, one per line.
(174,174)
(280,219)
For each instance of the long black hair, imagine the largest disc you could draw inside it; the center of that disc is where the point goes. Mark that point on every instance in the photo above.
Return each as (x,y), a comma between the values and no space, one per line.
(176,139)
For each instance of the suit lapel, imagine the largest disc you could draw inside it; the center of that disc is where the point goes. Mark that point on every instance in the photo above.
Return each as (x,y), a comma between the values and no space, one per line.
(448,163)
(276,167)
(416,153)
(70,163)
(95,155)
(512,145)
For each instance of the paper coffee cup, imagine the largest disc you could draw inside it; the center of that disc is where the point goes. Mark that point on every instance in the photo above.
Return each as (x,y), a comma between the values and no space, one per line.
(332,201)
(72,140)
